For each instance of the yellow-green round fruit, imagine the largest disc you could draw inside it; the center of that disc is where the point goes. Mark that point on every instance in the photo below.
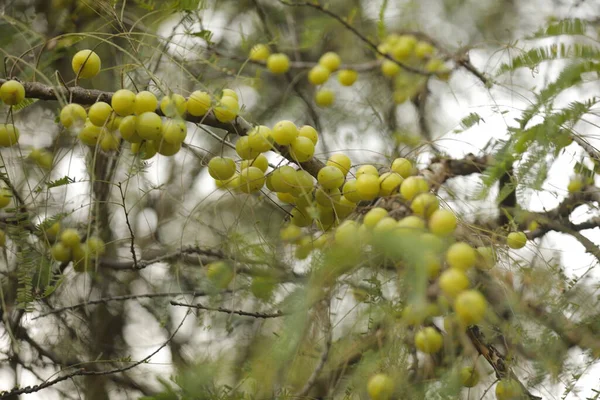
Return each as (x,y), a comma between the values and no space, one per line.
(148,126)
(35,154)
(403,167)
(9,135)
(5,197)
(340,161)
(52,232)
(318,75)
(412,186)
(284,197)
(461,256)
(168,149)
(60,252)
(221,168)
(260,52)
(324,97)
(386,224)
(380,387)
(128,130)
(433,265)
(330,177)
(424,50)
(469,376)
(442,222)
(347,234)
(145,101)
(389,183)
(343,207)
(429,340)
(575,185)
(82,260)
(412,222)
(252,179)
(367,169)
(470,307)
(259,162)
(90,134)
(516,240)
(303,248)
(262,287)
(309,132)
(229,92)
(374,215)
(72,114)
(146,150)
(284,132)
(46,160)
(173,106)
(347,77)
(326,197)
(302,149)
(278,63)
(486,258)
(283,179)
(123,102)
(227,109)
(301,218)
(260,138)
(367,186)
(425,204)
(174,131)
(70,238)
(350,191)
(508,389)
(198,103)
(389,68)
(220,274)
(290,233)
(95,246)
(86,64)
(12,92)
(435,65)
(330,60)
(243,149)
(453,281)
(400,96)
(99,113)
(404,47)
(109,141)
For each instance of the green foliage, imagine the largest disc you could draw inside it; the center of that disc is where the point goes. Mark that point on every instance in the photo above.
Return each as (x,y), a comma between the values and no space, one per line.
(573,26)
(534,57)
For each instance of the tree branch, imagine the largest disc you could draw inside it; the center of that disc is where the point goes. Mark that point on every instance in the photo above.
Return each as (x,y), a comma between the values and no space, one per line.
(228,311)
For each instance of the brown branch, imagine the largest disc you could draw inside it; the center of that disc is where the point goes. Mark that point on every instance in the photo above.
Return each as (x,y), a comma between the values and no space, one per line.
(228,311)
(106,300)
(494,358)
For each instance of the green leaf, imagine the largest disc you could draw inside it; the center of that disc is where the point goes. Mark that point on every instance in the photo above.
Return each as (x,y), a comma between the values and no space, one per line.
(470,120)
(536,56)
(565,27)
(65,180)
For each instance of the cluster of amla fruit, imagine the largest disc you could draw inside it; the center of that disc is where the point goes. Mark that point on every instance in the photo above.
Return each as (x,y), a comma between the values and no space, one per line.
(410,51)
(382,387)
(67,246)
(329,63)
(134,118)
(11,93)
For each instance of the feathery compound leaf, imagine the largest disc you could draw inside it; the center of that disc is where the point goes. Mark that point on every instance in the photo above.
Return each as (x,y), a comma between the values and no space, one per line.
(470,120)
(564,27)
(535,57)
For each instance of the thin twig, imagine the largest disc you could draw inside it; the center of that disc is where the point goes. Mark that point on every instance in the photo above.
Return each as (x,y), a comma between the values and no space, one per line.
(229,311)
(83,372)
(132,236)
(106,300)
